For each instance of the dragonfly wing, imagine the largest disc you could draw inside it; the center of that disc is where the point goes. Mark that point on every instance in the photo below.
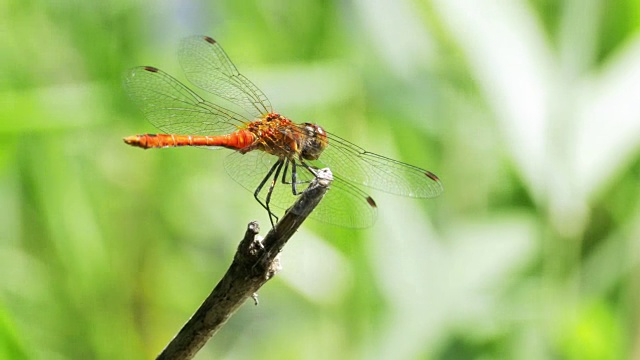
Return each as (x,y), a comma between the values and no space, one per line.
(250,168)
(355,164)
(173,108)
(344,205)
(207,66)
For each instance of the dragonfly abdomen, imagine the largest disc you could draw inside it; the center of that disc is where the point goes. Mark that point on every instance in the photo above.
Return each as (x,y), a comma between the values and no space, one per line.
(236,140)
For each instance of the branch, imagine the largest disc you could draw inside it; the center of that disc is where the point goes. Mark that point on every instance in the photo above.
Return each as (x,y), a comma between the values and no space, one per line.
(254,263)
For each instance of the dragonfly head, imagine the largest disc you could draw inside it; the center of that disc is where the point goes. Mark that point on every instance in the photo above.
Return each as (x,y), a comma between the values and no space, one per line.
(313,142)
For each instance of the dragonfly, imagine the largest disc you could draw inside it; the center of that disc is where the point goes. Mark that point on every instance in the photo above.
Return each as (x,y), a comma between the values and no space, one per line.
(273,157)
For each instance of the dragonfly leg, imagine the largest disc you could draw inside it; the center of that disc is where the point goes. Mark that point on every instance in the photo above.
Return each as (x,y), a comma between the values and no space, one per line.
(285,172)
(309,168)
(294,177)
(268,199)
(275,168)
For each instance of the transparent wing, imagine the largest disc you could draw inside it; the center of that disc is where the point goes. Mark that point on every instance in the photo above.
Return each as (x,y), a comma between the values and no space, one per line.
(357,165)
(344,205)
(173,108)
(207,66)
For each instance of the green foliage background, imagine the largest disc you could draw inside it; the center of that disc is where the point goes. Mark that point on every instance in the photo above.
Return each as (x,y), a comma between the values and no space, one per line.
(527,110)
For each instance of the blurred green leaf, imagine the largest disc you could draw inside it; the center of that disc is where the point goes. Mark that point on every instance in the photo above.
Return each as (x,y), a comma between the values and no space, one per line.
(526,110)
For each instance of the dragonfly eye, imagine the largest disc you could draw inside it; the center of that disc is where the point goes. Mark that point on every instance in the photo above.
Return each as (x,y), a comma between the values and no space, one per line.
(314,141)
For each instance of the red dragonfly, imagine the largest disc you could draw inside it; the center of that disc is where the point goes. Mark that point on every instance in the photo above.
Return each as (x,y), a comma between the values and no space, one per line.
(270,148)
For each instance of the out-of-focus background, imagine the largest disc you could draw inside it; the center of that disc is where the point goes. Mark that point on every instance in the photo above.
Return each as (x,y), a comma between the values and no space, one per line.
(529,112)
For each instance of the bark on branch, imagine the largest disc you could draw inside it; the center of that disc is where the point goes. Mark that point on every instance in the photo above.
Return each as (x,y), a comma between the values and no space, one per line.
(255,262)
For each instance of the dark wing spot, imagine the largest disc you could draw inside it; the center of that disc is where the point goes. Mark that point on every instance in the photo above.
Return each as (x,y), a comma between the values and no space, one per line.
(151,69)
(209,40)
(431,176)
(152,135)
(371,202)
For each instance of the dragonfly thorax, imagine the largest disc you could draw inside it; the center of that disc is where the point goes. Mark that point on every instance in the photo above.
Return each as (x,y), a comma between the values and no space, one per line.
(313,142)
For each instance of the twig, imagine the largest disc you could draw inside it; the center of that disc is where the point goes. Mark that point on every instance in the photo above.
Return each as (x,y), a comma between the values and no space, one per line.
(253,265)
